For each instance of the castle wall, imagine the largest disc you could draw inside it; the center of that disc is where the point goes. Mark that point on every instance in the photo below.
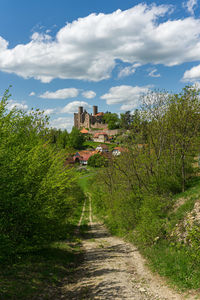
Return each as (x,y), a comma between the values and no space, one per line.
(108,132)
(99,125)
(86,121)
(76,123)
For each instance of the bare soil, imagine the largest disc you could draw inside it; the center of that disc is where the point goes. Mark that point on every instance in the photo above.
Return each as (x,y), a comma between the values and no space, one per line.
(114,269)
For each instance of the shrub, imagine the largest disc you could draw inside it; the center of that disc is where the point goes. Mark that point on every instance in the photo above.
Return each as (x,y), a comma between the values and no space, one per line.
(37,194)
(96,160)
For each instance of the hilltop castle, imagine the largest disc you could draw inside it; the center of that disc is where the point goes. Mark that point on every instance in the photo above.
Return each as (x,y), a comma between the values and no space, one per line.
(86,120)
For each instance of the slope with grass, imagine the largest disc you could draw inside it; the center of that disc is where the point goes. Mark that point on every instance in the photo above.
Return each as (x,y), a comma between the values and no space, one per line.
(177,255)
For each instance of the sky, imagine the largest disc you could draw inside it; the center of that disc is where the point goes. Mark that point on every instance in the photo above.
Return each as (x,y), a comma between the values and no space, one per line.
(59,55)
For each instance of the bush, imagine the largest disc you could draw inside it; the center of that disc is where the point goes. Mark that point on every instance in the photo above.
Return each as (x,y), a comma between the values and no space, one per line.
(37,194)
(96,160)
(151,222)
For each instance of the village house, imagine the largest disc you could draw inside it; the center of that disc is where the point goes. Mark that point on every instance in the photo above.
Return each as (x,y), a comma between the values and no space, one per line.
(83,156)
(102,148)
(118,150)
(101,137)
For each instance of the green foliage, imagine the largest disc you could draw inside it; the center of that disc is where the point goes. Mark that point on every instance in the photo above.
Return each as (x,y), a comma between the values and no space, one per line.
(58,138)
(62,139)
(134,195)
(152,218)
(96,161)
(39,272)
(76,139)
(126,120)
(37,194)
(175,262)
(112,120)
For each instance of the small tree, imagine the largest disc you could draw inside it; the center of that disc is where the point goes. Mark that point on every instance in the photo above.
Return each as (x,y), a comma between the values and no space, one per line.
(76,139)
(96,160)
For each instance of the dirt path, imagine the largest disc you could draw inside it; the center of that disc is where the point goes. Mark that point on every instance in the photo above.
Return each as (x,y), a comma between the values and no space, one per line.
(82,214)
(114,269)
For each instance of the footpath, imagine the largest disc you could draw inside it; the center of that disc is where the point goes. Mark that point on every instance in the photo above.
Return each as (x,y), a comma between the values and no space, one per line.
(114,269)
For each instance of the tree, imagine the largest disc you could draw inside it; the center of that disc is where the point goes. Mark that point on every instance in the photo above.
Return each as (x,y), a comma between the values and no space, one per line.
(76,139)
(112,120)
(96,160)
(126,120)
(184,124)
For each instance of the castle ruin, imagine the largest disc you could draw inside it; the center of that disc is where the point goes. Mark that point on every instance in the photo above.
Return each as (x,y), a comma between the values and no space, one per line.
(83,119)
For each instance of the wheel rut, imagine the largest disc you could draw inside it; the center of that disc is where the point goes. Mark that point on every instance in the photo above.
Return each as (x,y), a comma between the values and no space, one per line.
(114,269)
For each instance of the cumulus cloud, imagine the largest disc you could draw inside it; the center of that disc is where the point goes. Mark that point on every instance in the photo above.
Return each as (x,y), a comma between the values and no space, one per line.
(128,70)
(153,73)
(89,94)
(190,5)
(15,104)
(192,75)
(3,44)
(32,94)
(126,95)
(40,37)
(49,111)
(62,123)
(61,94)
(136,35)
(72,107)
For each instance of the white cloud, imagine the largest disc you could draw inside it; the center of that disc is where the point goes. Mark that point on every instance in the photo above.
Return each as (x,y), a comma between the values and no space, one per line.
(3,44)
(32,94)
(128,70)
(40,37)
(132,36)
(62,123)
(89,94)
(72,107)
(126,95)
(49,111)
(61,94)
(192,75)
(190,5)
(15,104)
(153,73)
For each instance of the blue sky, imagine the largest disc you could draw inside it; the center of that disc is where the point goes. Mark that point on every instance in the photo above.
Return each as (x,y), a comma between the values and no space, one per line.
(58,55)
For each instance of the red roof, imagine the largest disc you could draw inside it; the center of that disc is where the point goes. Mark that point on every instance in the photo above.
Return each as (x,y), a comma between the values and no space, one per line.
(84,130)
(100,114)
(84,155)
(100,133)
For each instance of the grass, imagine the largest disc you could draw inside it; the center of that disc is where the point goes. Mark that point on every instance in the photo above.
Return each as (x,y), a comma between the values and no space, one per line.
(175,263)
(190,196)
(39,274)
(84,180)
(85,220)
(92,144)
(173,259)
